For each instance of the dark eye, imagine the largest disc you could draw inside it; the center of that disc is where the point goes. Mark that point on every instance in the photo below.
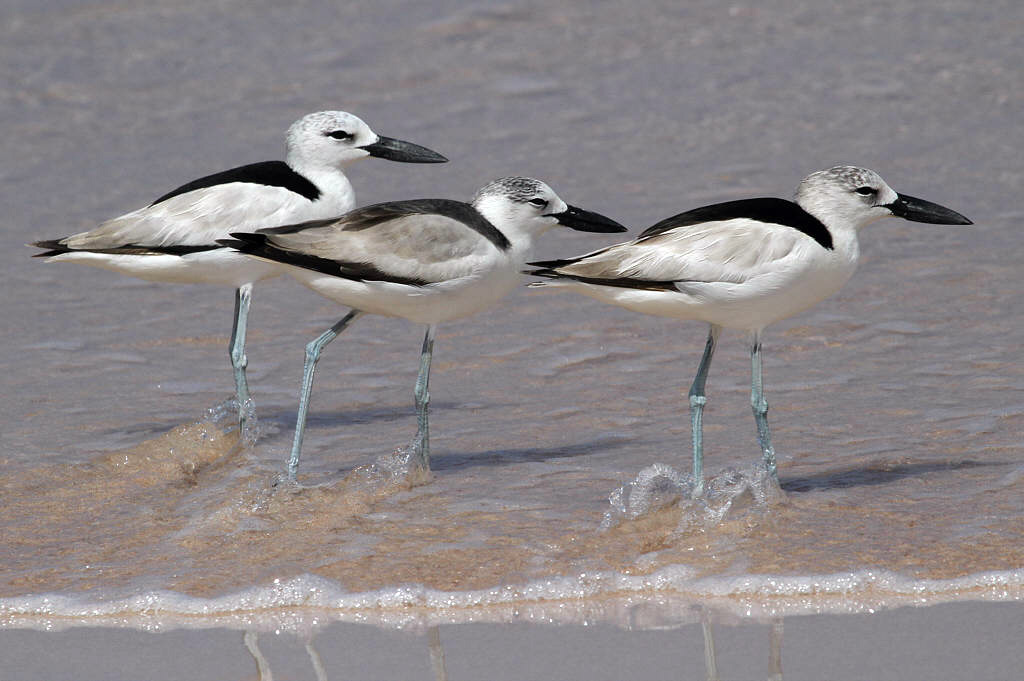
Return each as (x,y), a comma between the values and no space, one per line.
(540,203)
(866,191)
(339,135)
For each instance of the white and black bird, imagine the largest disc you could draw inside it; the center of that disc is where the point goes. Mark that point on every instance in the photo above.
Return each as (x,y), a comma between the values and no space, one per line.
(174,239)
(743,265)
(426,260)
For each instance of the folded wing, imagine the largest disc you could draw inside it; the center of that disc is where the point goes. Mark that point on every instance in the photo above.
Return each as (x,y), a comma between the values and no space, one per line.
(730,251)
(192,220)
(416,243)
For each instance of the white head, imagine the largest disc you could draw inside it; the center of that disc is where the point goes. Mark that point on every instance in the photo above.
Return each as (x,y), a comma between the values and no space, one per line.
(522,206)
(335,139)
(855,197)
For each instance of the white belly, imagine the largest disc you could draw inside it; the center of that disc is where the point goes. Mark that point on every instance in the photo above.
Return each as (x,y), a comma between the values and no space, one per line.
(221,266)
(430,304)
(752,304)
(198,219)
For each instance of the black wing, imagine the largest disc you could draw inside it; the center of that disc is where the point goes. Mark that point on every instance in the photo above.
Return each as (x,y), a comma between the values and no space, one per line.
(769,210)
(270,173)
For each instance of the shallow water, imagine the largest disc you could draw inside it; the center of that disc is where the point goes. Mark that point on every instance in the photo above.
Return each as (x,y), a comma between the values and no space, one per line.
(897,405)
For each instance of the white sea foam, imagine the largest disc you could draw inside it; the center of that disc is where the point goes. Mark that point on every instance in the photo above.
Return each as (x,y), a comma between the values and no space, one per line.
(225,414)
(659,485)
(672,596)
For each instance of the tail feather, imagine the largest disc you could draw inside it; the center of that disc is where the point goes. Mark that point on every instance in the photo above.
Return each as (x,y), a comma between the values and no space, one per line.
(546,272)
(246,242)
(552,264)
(258,245)
(549,268)
(249,238)
(624,282)
(53,247)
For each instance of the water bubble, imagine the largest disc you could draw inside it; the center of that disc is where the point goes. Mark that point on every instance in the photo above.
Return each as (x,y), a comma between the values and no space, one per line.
(660,486)
(225,413)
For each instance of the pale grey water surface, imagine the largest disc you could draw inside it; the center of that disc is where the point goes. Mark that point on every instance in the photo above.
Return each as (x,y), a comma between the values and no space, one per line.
(897,405)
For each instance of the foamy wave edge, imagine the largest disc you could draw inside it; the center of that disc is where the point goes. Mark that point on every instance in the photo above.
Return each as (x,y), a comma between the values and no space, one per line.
(669,597)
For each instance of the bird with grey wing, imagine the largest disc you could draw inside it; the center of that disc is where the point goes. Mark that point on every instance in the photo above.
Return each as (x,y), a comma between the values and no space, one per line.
(426,260)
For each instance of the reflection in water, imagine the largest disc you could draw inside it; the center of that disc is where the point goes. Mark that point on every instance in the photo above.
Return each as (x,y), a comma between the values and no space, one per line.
(440,672)
(263,666)
(318,665)
(710,658)
(775,654)
(978,640)
(250,640)
(711,655)
(436,654)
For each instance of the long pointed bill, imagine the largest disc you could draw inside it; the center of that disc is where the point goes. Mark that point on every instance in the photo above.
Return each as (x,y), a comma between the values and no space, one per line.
(405,152)
(919,210)
(585,221)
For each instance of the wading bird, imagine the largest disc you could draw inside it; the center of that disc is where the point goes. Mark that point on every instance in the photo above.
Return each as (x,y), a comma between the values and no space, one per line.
(743,265)
(174,239)
(427,260)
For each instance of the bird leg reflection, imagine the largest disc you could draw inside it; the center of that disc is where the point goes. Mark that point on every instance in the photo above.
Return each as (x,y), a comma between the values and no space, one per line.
(437,663)
(250,640)
(710,656)
(775,651)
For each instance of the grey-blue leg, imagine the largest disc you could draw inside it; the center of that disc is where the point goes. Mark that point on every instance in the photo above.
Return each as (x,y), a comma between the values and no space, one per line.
(243,296)
(760,406)
(421,444)
(313,350)
(697,402)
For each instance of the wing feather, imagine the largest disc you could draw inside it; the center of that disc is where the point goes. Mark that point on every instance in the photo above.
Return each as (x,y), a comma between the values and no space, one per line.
(730,251)
(196,218)
(402,241)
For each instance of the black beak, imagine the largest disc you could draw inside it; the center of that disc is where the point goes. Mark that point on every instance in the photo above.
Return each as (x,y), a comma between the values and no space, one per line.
(585,221)
(404,152)
(919,210)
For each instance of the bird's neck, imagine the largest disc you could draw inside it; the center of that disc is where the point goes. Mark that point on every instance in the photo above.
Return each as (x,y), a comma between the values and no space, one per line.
(842,226)
(844,240)
(336,193)
(520,234)
(522,241)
